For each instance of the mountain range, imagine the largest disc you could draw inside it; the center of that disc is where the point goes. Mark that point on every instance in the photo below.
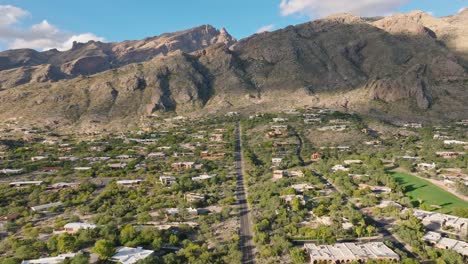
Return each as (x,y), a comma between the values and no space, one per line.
(402,67)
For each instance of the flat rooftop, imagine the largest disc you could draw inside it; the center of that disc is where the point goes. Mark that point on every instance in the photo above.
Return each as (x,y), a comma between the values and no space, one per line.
(446,243)
(351,251)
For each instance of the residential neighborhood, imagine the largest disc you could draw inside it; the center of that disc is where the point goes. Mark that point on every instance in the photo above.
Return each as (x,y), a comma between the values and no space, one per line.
(124,198)
(234,132)
(318,192)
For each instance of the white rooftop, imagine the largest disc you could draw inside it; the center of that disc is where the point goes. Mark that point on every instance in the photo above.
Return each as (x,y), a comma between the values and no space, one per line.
(339,168)
(26,182)
(45,206)
(302,187)
(446,243)
(167,177)
(175,211)
(433,237)
(387,203)
(203,177)
(82,168)
(50,260)
(349,162)
(458,223)
(7,171)
(128,255)
(77,226)
(350,251)
(123,182)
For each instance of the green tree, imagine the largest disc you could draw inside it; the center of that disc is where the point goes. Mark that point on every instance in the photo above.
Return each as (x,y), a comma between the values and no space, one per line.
(462,212)
(296,204)
(151,260)
(127,234)
(66,243)
(52,243)
(173,240)
(25,252)
(144,218)
(450,257)
(359,231)
(279,245)
(8,261)
(320,210)
(409,261)
(263,225)
(157,243)
(170,259)
(298,256)
(78,259)
(104,249)
(370,230)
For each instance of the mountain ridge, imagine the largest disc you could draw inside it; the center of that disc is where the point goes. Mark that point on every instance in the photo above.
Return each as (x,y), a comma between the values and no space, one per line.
(393,67)
(94,56)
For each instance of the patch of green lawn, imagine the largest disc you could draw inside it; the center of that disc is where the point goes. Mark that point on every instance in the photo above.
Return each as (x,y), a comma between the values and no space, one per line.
(417,188)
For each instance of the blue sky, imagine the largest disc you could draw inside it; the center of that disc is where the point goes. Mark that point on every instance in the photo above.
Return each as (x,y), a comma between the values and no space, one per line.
(59,21)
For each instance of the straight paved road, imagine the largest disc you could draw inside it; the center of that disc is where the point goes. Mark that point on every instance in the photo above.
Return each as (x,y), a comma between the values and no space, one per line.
(245,218)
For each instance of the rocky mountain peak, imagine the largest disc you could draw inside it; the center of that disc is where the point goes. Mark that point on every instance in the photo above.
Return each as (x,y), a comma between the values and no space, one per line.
(77,45)
(226,38)
(405,24)
(345,18)
(463,12)
(461,17)
(418,14)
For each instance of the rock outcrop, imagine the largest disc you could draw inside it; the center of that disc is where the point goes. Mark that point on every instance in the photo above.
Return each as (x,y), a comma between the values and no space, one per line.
(86,65)
(404,24)
(411,85)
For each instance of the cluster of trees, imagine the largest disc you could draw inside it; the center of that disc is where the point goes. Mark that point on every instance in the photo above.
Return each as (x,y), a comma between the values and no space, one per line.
(19,200)
(462,188)
(105,240)
(411,230)
(462,212)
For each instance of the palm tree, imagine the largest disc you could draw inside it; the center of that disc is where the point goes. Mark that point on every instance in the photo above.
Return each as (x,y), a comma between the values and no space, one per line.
(359,230)
(370,230)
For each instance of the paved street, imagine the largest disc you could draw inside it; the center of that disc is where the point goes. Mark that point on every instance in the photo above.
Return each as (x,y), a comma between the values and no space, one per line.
(245,218)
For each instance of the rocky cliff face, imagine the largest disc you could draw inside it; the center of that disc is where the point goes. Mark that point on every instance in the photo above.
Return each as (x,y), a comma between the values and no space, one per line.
(94,57)
(412,84)
(343,61)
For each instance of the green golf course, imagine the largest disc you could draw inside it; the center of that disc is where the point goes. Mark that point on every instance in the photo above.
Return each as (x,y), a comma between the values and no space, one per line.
(417,188)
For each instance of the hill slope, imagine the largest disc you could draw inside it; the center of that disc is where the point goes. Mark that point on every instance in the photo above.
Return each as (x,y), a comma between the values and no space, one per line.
(396,67)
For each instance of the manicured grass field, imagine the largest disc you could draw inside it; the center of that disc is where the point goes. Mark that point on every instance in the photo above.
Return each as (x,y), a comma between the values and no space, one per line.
(417,188)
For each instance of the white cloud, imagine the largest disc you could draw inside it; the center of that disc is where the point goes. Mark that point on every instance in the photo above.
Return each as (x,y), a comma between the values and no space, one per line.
(61,42)
(266,28)
(321,8)
(11,14)
(41,36)
(462,10)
